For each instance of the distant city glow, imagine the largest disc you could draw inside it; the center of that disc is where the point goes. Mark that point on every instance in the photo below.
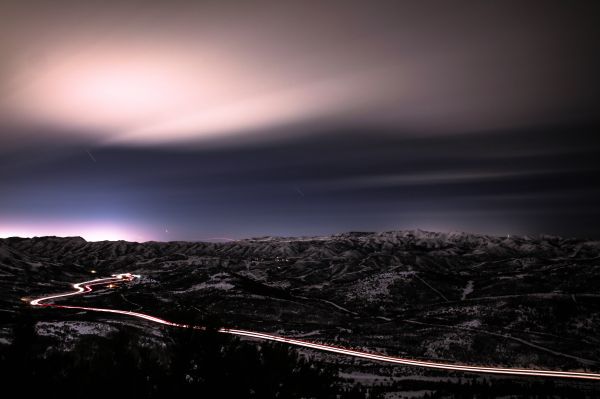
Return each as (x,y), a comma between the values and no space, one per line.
(90,231)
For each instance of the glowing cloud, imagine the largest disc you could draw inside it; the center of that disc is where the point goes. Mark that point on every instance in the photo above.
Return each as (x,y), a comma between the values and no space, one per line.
(123,95)
(153,73)
(109,91)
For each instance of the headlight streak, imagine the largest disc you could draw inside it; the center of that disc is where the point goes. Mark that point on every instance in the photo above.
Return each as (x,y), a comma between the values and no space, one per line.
(86,287)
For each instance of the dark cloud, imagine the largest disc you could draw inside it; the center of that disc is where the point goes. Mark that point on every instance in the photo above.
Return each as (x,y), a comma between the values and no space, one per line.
(527,181)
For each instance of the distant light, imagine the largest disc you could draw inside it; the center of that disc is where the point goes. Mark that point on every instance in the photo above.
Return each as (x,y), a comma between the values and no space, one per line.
(90,230)
(93,271)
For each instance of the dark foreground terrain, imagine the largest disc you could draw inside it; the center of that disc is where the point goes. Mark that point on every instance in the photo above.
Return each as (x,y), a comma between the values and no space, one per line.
(481,300)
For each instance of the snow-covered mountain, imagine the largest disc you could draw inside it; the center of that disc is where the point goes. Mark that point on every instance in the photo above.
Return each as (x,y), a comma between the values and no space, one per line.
(529,301)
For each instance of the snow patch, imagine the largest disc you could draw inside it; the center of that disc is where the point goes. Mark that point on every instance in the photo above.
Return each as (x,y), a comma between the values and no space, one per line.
(219,281)
(62,328)
(376,287)
(471,323)
(467,290)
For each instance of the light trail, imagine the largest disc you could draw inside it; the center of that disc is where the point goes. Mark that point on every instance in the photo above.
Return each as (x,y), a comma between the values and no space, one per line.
(86,287)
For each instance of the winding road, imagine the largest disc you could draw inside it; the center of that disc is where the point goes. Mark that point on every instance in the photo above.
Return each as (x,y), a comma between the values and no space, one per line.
(86,287)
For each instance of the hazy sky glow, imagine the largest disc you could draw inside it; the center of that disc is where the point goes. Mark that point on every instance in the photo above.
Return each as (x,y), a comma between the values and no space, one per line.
(91,230)
(194,120)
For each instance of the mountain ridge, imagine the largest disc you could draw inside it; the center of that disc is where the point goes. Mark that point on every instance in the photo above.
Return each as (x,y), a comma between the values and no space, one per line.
(457,297)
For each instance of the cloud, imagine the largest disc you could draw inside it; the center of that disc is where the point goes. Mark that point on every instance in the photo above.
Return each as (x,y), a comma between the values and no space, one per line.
(158,73)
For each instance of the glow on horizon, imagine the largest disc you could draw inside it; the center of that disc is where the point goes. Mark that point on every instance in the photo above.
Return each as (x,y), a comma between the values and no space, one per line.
(90,231)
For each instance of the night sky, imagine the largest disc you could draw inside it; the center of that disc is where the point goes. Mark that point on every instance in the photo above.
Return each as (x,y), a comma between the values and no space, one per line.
(216,120)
